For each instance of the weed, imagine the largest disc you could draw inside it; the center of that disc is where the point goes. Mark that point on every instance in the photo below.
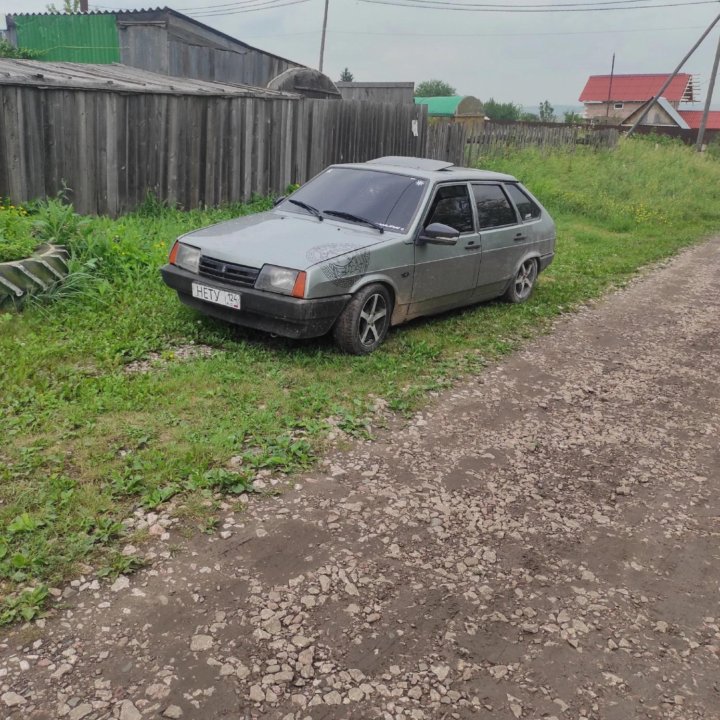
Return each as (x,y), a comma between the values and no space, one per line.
(25,606)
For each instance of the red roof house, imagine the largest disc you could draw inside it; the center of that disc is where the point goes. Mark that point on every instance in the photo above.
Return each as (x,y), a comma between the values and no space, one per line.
(693,118)
(615,98)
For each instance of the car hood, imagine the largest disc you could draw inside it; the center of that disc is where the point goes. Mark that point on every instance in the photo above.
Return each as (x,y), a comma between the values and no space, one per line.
(280,238)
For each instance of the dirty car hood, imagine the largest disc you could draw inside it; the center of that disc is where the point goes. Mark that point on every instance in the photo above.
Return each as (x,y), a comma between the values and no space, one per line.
(280,238)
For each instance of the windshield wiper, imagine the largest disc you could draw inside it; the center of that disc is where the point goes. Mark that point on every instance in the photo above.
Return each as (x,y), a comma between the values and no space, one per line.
(313,210)
(354,218)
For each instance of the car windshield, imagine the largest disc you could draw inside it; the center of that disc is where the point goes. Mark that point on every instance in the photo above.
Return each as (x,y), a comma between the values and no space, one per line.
(384,198)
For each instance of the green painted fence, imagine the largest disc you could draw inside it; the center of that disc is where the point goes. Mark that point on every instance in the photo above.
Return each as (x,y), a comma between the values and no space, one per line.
(76,38)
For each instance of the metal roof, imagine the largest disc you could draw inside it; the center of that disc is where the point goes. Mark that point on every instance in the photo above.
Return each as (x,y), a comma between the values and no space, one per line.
(693,118)
(638,88)
(445,106)
(115,77)
(122,14)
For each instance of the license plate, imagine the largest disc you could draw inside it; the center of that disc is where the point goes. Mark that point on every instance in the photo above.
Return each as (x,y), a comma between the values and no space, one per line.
(214,295)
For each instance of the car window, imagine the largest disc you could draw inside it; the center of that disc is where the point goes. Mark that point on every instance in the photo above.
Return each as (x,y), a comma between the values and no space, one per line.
(528,209)
(385,198)
(451,206)
(493,207)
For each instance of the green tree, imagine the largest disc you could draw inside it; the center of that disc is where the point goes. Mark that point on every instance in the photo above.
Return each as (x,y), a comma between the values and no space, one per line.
(434,88)
(529,117)
(501,111)
(10,51)
(70,7)
(346,76)
(573,118)
(547,112)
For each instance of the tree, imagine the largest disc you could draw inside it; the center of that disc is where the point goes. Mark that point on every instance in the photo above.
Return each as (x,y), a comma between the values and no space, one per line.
(573,118)
(529,117)
(70,7)
(10,51)
(547,112)
(501,111)
(346,76)
(434,88)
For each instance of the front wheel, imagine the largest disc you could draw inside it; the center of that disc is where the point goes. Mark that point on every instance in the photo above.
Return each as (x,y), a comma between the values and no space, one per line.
(523,283)
(363,324)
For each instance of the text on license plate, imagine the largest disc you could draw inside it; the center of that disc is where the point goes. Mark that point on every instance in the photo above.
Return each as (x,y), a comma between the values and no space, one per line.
(214,295)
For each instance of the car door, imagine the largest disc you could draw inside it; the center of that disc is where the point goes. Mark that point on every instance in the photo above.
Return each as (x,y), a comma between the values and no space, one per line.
(445,275)
(502,240)
(530,216)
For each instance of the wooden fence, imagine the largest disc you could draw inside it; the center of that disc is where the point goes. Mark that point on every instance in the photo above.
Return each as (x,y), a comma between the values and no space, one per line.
(468,144)
(111,149)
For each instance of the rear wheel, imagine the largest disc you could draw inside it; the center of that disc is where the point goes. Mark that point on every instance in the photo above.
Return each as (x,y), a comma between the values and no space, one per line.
(523,283)
(363,324)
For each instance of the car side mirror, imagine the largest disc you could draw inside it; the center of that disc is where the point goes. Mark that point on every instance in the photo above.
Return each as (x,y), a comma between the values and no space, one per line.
(277,201)
(439,234)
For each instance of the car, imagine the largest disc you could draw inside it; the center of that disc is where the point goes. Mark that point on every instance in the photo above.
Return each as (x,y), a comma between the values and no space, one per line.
(365,246)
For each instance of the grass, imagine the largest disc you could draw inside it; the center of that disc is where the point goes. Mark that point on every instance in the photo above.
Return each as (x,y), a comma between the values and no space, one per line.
(85,442)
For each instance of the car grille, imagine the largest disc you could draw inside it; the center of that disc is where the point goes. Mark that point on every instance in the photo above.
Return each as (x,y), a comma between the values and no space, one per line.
(227,272)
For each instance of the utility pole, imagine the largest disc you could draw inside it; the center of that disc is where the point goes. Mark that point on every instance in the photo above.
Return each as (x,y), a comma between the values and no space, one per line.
(322,40)
(666,84)
(612,75)
(84,6)
(708,100)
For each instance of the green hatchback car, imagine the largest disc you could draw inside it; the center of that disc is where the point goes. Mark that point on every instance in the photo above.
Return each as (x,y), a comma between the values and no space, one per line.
(365,246)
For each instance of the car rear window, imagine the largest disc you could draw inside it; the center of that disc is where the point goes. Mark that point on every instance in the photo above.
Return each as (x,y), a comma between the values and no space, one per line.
(385,198)
(528,209)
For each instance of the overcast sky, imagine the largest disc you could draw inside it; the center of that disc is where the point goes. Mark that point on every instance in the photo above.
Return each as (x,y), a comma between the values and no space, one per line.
(524,58)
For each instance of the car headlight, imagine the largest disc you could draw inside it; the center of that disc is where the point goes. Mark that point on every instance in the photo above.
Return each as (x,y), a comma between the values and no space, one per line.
(281,280)
(187,257)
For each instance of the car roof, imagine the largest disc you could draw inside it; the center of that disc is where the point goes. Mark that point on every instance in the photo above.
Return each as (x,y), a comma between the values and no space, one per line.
(436,170)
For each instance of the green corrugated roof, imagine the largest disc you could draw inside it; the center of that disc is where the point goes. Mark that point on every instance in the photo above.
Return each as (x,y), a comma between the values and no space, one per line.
(70,38)
(446,106)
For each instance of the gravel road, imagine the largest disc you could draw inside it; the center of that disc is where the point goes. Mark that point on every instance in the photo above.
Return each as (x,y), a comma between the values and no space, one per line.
(543,541)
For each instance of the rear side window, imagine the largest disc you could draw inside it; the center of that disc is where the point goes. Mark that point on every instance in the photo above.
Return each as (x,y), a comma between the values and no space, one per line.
(451,206)
(493,207)
(528,209)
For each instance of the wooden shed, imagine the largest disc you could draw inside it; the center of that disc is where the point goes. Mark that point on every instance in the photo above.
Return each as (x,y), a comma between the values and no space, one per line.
(459,109)
(386,92)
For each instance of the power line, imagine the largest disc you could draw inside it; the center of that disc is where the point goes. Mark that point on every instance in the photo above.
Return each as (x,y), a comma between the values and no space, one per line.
(265,5)
(484,35)
(440,5)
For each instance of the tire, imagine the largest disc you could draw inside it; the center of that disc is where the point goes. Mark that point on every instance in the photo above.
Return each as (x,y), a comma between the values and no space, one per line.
(363,324)
(523,283)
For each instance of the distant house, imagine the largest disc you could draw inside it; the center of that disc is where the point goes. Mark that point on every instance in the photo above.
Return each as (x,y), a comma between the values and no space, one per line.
(664,115)
(693,118)
(397,93)
(454,108)
(162,41)
(614,98)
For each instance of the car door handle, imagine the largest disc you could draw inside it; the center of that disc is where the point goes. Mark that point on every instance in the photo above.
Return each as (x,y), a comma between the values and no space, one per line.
(472,246)
(519,237)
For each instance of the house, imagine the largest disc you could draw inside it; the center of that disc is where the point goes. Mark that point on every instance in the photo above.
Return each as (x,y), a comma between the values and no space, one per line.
(694,117)
(614,98)
(162,41)
(456,109)
(397,93)
(664,116)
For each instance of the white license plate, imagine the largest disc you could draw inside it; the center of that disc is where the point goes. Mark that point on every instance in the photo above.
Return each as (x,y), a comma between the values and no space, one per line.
(214,295)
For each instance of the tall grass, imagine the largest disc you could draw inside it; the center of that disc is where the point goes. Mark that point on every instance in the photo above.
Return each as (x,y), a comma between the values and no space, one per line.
(84,441)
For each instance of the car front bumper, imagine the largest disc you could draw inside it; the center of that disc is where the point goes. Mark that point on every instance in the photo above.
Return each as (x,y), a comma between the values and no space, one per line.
(273,313)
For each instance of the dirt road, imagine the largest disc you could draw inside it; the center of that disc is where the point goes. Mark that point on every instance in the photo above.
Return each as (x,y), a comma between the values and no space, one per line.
(543,541)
